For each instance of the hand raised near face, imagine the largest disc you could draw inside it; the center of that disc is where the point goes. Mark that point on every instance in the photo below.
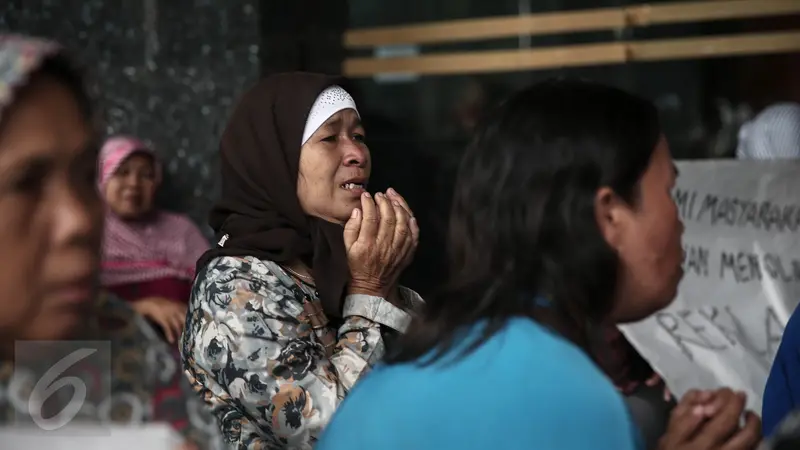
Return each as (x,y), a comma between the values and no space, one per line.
(380,239)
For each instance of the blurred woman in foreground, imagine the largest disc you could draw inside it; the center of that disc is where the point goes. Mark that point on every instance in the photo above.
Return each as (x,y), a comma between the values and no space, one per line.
(562,220)
(51,222)
(50,215)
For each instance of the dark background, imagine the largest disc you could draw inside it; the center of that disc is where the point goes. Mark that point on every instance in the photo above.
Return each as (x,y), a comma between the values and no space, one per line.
(166,71)
(170,71)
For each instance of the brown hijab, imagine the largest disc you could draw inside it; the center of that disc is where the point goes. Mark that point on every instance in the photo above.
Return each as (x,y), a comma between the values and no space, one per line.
(258,210)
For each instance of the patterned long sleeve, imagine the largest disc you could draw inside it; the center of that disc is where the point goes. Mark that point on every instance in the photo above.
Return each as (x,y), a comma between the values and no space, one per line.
(250,351)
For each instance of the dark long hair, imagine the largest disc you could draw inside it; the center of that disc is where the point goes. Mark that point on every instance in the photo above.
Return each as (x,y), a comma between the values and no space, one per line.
(523,224)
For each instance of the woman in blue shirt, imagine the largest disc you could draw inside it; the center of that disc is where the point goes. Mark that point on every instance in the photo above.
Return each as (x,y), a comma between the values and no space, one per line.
(562,219)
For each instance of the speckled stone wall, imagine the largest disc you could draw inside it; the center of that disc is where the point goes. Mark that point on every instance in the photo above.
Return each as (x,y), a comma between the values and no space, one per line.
(166,71)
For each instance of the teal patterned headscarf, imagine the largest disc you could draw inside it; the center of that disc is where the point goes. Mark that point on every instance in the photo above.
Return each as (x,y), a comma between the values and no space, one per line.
(20,56)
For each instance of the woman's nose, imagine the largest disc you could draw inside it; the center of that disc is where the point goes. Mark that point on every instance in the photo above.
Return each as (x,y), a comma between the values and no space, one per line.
(133,180)
(75,216)
(355,154)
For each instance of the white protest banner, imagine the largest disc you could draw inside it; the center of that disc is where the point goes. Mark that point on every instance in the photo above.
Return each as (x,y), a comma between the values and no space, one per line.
(154,436)
(741,277)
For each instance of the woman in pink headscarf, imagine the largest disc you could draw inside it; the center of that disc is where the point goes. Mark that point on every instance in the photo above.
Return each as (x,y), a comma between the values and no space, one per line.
(149,255)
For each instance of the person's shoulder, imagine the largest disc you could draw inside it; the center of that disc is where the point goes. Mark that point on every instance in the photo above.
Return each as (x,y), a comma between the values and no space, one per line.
(223,269)
(790,339)
(792,330)
(520,364)
(785,360)
(525,332)
(228,275)
(555,368)
(546,355)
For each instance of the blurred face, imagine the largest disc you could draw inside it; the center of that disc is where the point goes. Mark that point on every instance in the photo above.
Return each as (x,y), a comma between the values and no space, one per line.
(50,214)
(334,168)
(647,238)
(129,192)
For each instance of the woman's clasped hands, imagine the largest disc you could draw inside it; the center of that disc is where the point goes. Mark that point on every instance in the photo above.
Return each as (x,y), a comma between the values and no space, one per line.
(712,420)
(380,238)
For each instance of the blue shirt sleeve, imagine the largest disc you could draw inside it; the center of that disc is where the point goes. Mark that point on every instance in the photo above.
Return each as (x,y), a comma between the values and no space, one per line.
(783,385)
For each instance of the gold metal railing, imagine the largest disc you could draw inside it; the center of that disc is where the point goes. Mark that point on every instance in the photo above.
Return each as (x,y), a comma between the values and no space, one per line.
(572,22)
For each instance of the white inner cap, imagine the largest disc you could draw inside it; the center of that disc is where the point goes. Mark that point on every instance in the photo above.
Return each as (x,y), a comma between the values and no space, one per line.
(328,102)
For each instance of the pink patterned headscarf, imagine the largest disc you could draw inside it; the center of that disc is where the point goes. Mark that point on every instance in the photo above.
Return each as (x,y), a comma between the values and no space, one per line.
(166,245)
(116,150)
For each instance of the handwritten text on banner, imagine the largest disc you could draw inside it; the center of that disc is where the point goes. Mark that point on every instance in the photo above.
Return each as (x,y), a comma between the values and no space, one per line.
(741,277)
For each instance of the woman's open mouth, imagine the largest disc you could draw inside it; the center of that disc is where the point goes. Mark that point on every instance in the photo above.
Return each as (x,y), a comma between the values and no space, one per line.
(355,186)
(352,186)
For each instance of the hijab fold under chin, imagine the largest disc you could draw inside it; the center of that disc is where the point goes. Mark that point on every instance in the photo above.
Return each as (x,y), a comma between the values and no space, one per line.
(259,212)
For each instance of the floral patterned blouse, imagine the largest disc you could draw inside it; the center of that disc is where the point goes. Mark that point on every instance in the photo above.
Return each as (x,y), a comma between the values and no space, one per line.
(259,350)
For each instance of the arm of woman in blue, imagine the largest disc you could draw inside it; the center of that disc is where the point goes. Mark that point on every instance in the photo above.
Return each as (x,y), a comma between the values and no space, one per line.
(782,391)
